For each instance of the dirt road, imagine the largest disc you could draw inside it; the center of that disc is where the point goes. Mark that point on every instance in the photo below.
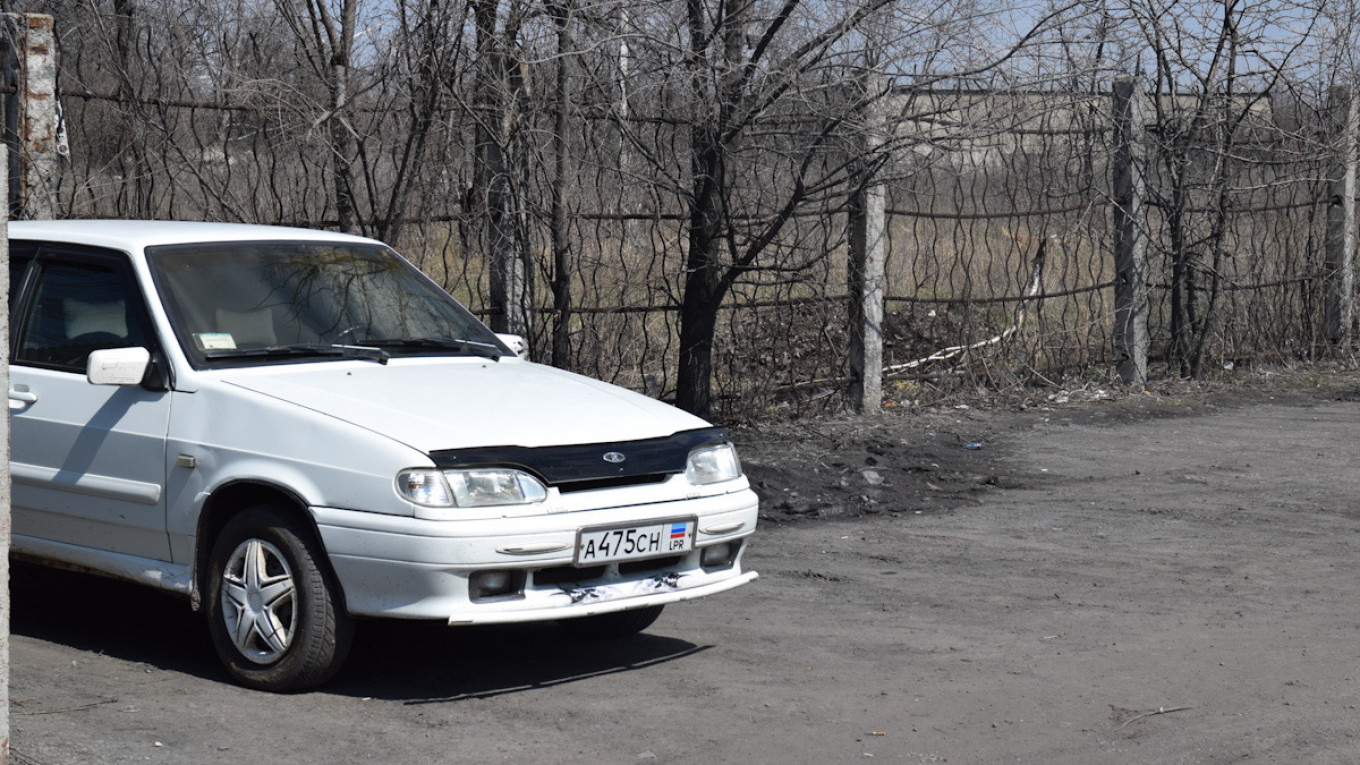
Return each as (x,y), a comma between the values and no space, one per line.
(1158,579)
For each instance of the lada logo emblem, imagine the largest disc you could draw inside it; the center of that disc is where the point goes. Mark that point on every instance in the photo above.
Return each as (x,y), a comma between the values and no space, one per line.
(614,457)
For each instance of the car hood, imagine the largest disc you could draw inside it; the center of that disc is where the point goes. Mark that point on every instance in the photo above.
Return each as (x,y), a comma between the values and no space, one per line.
(455,403)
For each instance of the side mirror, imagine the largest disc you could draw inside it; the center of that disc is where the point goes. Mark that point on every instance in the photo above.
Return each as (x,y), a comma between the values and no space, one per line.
(514,343)
(118,366)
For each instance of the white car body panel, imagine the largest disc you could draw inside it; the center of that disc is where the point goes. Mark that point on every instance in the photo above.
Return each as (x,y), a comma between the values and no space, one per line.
(464,402)
(88,463)
(315,457)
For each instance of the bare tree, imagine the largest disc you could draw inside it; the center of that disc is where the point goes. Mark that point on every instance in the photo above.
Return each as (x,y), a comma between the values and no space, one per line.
(746,64)
(768,96)
(432,49)
(669,176)
(1216,66)
(325,35)
(500,91)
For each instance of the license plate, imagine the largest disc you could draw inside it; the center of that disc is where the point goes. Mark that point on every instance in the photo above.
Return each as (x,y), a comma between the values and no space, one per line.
(603,544)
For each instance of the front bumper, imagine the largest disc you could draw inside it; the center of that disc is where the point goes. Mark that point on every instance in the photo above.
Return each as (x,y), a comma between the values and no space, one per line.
(401,567)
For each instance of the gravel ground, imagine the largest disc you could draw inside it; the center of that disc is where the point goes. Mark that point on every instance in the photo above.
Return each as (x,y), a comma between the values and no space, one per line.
(1167,577)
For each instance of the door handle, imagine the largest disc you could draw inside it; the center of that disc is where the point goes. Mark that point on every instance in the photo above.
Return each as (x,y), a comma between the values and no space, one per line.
(22,397)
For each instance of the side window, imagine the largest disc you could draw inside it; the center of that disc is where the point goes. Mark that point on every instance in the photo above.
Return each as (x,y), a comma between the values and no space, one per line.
(18,263)
(77,308)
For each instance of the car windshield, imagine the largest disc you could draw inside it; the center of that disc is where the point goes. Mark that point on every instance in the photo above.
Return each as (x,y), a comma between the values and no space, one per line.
(252,302)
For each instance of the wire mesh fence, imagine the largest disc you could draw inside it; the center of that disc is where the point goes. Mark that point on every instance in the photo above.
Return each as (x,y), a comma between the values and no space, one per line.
(983,186)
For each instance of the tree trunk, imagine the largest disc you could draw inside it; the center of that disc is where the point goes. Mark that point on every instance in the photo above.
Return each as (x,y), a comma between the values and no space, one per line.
(704,287)
(342,140)
(698,322)
(494,195)
(132,160)
(427,97)
(708,273)
(561,241)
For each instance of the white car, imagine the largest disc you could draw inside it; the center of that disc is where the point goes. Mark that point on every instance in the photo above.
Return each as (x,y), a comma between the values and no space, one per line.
(295,428)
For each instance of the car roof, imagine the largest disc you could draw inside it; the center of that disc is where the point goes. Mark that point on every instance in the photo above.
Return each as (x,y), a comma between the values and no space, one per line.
(132,235)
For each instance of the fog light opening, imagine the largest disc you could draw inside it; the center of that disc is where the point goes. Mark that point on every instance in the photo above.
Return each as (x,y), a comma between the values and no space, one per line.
(719,555)
(495,584)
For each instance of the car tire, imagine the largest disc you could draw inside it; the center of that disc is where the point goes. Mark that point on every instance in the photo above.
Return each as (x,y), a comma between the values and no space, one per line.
(619,624)
(274,609)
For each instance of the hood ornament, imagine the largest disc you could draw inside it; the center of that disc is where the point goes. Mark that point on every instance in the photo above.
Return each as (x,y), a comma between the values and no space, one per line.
(614,458)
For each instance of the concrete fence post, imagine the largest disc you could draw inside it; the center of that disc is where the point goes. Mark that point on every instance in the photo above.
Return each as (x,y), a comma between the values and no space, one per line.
(18,28)
(868,250)
(1339,271)
(33,126)
(5,525)
(1130,238)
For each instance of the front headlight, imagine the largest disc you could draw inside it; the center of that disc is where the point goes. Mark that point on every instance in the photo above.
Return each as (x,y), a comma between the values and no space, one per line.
(494,486)
(713,464)
(477,487)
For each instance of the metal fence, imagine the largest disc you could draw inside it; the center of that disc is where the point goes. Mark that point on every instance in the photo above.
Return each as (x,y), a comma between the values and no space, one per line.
(985,190)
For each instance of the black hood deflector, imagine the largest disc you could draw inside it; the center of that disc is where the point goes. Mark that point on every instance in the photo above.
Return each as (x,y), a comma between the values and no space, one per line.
(580,463)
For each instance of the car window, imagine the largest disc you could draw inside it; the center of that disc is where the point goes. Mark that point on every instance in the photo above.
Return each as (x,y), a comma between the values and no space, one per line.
(228,301)
(19,258)
(76,308)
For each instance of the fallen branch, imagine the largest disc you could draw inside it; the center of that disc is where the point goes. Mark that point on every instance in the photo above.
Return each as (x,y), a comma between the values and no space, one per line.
(80,708)
(1155,712)
(1036,278)
(897,371)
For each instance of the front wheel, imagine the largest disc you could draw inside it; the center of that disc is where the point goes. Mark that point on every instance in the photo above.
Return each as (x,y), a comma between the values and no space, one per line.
(618,624)
(274,612)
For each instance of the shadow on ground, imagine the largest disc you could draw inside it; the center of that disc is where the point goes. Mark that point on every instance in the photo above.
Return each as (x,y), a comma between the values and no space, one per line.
(110,617)
(417,662)
(424,662)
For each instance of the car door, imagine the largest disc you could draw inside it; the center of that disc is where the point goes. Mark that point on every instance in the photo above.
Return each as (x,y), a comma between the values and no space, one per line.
(87,461)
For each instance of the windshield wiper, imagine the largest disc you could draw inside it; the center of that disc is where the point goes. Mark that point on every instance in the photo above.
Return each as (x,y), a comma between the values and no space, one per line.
(302,349)
(485,350)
